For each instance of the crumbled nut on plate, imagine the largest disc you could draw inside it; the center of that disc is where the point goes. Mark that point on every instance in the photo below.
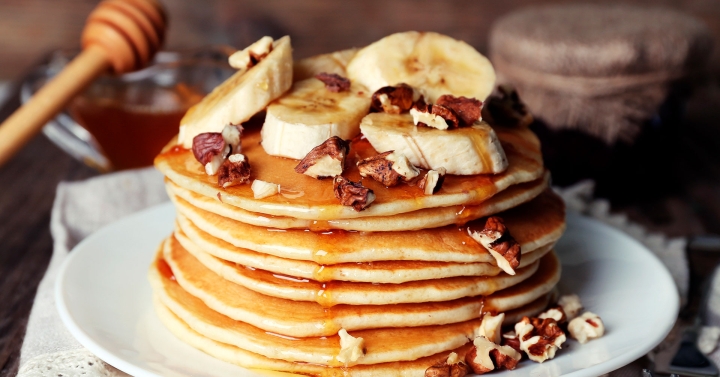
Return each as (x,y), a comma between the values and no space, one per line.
(557,313)
(491,327)
(571,305)
(486,356)
(452,367)
(325,160)
(586,327)
(539,338)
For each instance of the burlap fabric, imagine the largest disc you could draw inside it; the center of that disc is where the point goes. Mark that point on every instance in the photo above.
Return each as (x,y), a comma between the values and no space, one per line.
(604,69)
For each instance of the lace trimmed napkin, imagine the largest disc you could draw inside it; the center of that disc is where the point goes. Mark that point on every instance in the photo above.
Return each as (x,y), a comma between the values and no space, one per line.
(82,207)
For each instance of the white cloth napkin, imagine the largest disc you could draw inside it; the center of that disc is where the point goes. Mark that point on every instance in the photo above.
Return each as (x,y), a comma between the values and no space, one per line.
(82,207)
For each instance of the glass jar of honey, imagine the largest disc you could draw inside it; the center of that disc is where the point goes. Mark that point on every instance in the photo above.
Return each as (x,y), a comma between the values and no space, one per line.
(122,122)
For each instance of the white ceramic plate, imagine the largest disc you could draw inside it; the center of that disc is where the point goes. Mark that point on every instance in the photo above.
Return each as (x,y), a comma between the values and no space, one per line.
(104,299)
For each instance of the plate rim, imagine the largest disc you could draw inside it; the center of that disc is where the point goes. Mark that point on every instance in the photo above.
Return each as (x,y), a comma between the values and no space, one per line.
(111,358)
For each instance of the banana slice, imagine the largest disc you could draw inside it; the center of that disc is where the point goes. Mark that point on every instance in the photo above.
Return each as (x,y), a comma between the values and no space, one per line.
(334,62)
(432,63)
(310,114)
(242,95)
(461,151)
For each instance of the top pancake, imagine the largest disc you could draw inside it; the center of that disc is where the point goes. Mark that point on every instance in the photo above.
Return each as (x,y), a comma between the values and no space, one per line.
(304,197)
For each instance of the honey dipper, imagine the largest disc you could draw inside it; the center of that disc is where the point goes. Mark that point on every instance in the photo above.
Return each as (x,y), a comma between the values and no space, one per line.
(119,36)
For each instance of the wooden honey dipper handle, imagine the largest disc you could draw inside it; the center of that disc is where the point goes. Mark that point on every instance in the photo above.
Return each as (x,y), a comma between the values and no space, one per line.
(120,36)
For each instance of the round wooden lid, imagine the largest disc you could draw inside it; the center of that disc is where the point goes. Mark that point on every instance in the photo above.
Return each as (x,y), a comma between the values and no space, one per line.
(593,40)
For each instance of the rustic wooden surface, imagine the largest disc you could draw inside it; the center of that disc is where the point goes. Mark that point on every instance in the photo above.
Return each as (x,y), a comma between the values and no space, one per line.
(26,195)
(669,182)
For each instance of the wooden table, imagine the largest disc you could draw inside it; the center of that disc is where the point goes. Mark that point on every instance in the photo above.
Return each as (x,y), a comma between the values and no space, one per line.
(689,202)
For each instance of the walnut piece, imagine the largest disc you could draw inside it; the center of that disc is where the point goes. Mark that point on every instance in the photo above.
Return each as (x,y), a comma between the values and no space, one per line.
(491,327)
(393,99)
(262,189)
(247,58)
(432,181)
(586,327)
(496,238)
(232,135)
(334,82)
(234,171)
(539,338)
(452,367)
(479,356)
(487,356)
(351,348)
(511,340)
(506,109)
(210,149)
(352,193)
(389,168)
(557,313)
(325,160)
(468,110)
(571,305)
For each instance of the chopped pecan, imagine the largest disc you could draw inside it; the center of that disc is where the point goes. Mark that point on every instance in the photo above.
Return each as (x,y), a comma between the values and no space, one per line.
(491,327)
(511,340)
(571,305)
(252,55)
(478,358)
(557,313)
(586,327)
(505,357)
(432,181)
(389,168)
(468,110)
(393,99)
(325,160)
(351,348)
(450,118)
(539,338)
(352,193)
(234,171)
(452,367)
(487,356)
(232,135)
(506,109)
(334,82)
(502,246)
(262,189)
(210,149)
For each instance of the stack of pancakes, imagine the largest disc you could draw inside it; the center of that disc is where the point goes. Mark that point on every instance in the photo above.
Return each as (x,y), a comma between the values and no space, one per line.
(268,283)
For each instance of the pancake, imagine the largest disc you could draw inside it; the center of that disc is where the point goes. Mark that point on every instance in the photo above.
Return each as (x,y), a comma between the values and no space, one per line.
(248,359)
(352,293)
(308,198)
(302,319)
(538,223)
(420,219)
(370,272)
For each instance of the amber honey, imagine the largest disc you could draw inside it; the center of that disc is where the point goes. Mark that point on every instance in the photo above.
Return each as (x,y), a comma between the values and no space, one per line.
(131,134)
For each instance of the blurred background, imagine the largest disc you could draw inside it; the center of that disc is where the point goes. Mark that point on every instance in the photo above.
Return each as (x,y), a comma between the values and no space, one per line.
(665,175)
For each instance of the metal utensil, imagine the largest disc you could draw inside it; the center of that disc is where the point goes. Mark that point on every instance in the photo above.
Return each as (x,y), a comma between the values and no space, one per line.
(689,360)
